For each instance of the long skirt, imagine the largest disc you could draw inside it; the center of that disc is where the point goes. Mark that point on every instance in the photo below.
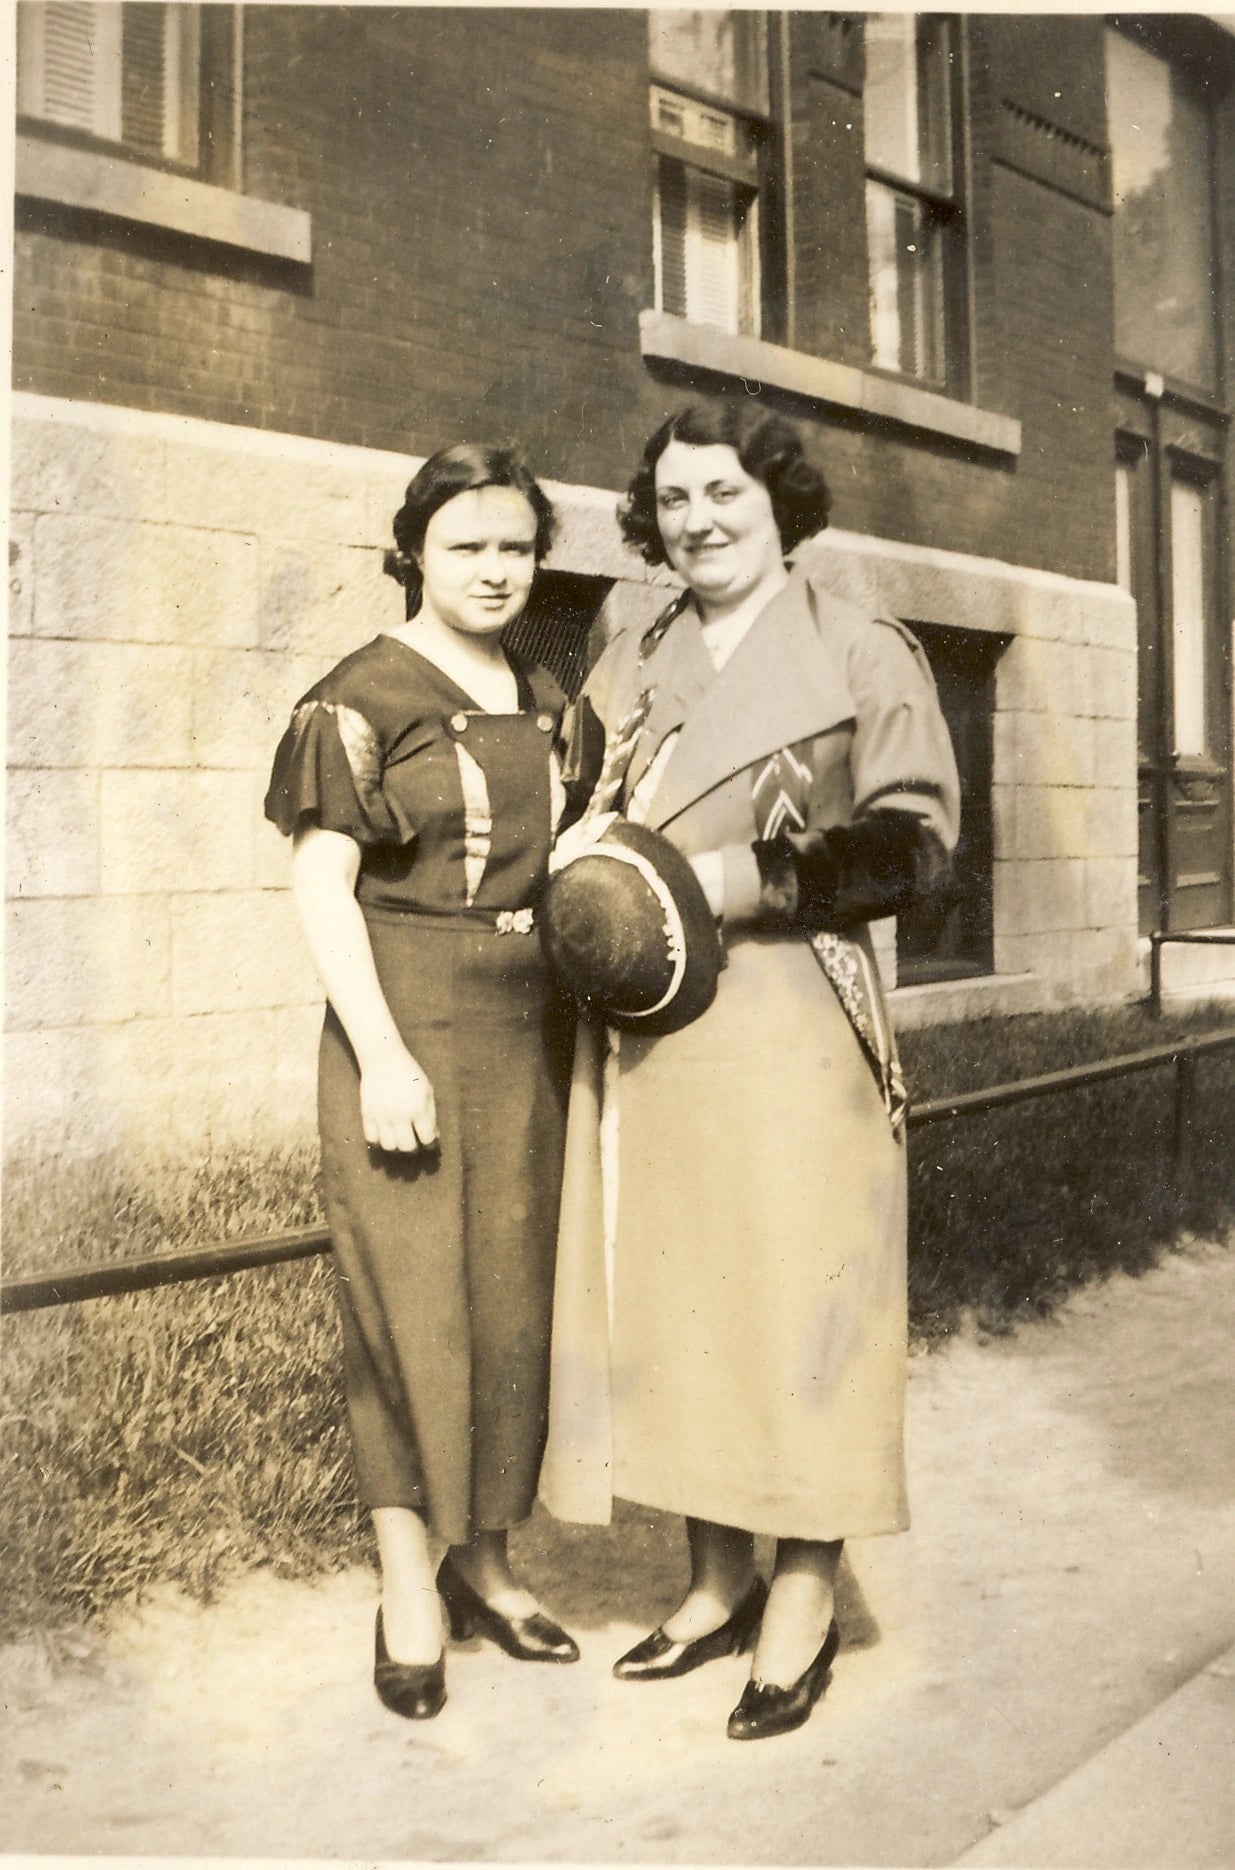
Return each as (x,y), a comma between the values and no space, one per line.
(741,1357)
(444,1261)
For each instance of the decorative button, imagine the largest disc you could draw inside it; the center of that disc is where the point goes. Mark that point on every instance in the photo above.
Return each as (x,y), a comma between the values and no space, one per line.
(459,723)
(545,723)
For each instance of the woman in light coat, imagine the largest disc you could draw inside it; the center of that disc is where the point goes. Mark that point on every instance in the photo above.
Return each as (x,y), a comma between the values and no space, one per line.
(730,1312)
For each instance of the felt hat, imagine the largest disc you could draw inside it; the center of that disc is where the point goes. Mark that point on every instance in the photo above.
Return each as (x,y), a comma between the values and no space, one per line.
(627,928)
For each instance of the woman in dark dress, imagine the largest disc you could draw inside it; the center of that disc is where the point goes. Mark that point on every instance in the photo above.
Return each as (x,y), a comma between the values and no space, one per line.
(420,782)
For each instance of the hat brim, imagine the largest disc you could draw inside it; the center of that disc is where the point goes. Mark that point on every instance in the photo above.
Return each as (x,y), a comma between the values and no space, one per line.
(603,965)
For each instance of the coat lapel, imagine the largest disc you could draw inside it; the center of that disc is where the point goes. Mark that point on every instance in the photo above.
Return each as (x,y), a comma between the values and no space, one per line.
(679,673)
(781,685)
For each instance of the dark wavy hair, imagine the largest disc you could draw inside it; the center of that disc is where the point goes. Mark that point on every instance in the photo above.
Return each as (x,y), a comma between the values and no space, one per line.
(462,469)
(769,447)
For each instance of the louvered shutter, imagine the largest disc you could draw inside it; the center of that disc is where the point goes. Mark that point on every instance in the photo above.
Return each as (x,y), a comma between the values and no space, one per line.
(671,232)
(706,250)
(144,86)
(69,64)
(699,247)
(129,73)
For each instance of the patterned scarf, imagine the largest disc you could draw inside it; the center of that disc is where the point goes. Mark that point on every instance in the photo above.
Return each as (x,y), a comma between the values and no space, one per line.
(781,791)
(620,744)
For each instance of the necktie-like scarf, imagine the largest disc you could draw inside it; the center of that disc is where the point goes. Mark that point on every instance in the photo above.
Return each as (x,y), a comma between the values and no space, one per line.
(781,794)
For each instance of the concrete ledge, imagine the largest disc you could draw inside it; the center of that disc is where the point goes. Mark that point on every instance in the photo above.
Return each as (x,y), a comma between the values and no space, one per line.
(676,340)
(1192,972)
(83,178)
(931,584)
(980,996)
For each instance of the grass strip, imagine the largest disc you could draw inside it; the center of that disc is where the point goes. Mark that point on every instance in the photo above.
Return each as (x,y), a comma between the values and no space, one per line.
(180,1435)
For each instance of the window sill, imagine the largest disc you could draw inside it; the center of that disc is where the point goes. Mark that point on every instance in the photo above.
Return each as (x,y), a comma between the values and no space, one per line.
(77,178)
(675,340)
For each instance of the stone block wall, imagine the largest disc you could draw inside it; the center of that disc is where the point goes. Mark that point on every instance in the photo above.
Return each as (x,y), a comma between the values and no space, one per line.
(177,584)
(174,587)
(1064,770)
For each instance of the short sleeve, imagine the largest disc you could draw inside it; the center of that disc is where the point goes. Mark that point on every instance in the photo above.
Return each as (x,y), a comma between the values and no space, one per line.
(328,772)
(902,754)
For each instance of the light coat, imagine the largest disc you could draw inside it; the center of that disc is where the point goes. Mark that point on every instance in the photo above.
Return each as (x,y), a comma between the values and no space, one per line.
(729,1331)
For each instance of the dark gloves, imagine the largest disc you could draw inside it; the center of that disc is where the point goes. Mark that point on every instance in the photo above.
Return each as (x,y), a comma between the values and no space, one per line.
(848,874)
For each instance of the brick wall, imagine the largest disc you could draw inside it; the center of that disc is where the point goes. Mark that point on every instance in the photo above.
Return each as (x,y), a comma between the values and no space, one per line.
(473,216)
(479,188)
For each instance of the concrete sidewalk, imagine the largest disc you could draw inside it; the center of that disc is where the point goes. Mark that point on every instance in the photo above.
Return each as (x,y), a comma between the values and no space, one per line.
(1028,1677)
(1163,1794)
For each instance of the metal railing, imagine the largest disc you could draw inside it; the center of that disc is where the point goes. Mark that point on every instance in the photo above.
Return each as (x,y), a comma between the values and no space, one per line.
(68,1285)
(31,1292)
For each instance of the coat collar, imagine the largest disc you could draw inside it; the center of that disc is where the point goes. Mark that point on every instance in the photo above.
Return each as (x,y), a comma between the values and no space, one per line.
(782,684)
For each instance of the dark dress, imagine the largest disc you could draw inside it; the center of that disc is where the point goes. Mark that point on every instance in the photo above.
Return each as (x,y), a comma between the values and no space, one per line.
(444,1261)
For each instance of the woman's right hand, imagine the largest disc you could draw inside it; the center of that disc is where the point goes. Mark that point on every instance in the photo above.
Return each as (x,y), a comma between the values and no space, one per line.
(397,1105)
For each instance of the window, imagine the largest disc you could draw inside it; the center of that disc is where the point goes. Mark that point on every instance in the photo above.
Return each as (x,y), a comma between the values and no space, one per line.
(133,112)
(1162,169)
(558,628)
(913,211)
(709,107)
(129,75)
(949,935)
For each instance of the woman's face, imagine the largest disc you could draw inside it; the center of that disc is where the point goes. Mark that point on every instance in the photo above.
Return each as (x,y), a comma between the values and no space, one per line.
(716,521)
(479,559)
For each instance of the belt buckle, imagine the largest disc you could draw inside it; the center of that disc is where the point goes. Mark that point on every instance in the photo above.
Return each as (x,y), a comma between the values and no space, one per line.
(515,921)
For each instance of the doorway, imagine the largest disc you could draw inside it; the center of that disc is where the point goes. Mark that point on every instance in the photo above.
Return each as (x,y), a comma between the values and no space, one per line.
(1169,532)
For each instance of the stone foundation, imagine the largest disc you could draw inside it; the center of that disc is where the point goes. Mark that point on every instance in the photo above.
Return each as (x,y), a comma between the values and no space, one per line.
(177,584)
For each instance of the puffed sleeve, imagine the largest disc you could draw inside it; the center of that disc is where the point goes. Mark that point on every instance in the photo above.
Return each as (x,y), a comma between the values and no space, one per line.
(901,758)
(906,801)
(328,772)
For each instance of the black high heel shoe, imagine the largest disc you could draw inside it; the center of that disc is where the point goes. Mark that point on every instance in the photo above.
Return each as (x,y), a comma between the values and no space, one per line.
(659,1657)
(416,1690)
(528,1639)
(766,1709)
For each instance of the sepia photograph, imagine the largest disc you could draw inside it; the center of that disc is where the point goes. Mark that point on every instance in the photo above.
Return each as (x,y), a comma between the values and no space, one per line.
(619,957)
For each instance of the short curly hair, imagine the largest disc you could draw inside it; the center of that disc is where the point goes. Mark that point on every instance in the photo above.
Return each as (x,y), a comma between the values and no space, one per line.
(769,447)
(462,469)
